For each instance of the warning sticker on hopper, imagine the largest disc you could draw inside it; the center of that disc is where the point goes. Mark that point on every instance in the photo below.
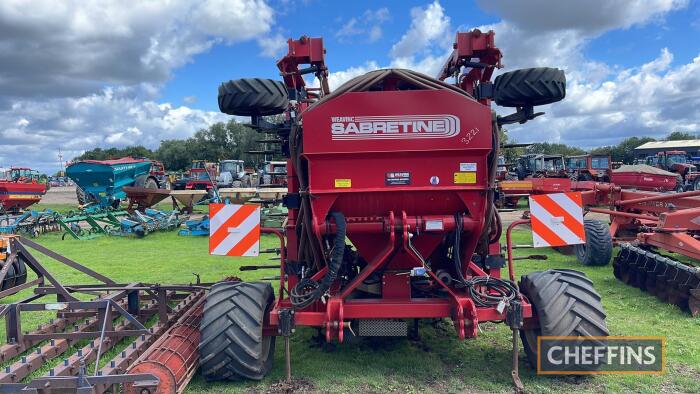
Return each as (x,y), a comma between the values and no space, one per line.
(396,178)
(465,177)
(343,183)
(464,167)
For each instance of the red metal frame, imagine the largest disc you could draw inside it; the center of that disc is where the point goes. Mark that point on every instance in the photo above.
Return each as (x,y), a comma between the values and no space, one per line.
(470,46)
(664,220)
(387,225)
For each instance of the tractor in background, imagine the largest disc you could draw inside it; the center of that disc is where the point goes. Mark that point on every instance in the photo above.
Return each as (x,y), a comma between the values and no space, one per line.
(273,174)
(678,162)
(589,168)
(232,173)
(200,176)
(540,166)
(20,188)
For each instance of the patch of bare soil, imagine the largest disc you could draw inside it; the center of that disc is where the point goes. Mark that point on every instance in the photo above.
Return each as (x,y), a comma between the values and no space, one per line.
(288,387)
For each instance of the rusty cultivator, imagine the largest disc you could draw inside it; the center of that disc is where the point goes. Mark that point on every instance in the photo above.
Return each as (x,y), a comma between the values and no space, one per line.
(139,337)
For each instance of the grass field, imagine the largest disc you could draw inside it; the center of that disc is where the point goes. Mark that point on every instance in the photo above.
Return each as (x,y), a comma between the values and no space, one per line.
(437,362)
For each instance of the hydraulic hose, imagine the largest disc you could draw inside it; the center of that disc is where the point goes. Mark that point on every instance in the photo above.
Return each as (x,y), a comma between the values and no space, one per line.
(337,252)
(307,291)
(310,248)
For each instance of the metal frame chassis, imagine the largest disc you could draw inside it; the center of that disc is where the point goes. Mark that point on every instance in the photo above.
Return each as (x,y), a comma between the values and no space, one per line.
(114,301)
(663,220)
(339,309)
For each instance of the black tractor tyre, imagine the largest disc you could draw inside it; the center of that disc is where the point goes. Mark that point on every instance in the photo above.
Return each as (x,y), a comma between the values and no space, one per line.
(140,181)
(679,188)
(16,274)
(598,247)
(253,96)
(529,87)
(232,345)
(151,183)
(566,304)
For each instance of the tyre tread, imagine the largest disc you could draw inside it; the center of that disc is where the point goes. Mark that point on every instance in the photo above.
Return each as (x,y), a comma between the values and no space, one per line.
(232,346)
(566,303)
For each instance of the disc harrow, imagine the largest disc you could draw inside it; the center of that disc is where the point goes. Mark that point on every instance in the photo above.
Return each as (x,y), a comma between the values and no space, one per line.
(670,280)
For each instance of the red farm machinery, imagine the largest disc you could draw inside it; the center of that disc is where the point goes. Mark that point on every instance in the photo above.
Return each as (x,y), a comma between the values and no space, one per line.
(19,189)
(403,165)
(400,164)
(659,239)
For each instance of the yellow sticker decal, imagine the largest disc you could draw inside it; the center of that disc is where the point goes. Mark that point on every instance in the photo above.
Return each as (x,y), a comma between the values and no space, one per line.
(23,197)
(465,177)
(343,182)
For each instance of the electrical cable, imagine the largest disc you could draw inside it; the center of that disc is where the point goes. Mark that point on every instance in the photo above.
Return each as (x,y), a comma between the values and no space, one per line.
(495,290)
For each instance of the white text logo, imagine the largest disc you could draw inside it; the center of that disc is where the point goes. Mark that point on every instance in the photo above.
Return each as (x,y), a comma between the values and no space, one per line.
(394,127)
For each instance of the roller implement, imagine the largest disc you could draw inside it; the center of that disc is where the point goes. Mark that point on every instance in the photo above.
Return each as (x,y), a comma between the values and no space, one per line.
(98,337)
(402,166)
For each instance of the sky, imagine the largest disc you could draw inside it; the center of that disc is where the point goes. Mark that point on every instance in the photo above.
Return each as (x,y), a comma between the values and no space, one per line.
(75,75)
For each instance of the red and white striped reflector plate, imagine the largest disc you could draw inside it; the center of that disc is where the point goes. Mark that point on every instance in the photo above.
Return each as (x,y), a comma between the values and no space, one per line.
(557,219)
(234,230)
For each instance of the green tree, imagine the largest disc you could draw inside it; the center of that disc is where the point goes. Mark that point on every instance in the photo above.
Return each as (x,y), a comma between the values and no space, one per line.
(679,135)
(221,141)
(176,155)
(510,154)
(549,148)
(115,153)
(624,151)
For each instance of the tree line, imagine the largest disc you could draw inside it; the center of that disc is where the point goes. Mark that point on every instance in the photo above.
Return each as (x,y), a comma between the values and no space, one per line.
(221,141)
(232,140)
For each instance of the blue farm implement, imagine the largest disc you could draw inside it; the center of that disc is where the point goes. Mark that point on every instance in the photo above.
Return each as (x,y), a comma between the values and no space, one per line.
(273,214)
(31,223)
(102,182)
(196,227)
(140,224)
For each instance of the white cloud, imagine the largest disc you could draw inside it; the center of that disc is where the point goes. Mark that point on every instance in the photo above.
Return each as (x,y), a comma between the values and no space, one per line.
(349,29)
(427,36)
(113,117)
(74,47)
(59,56)
(272,46)
(338,78)
(605,102)
(591,16)
(189,99)
(236,20)
(368,25)
(429,25)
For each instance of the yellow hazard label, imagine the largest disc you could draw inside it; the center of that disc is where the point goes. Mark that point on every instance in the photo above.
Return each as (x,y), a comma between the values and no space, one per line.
(465,177)
(508,185)
(343,183)
(23,197)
